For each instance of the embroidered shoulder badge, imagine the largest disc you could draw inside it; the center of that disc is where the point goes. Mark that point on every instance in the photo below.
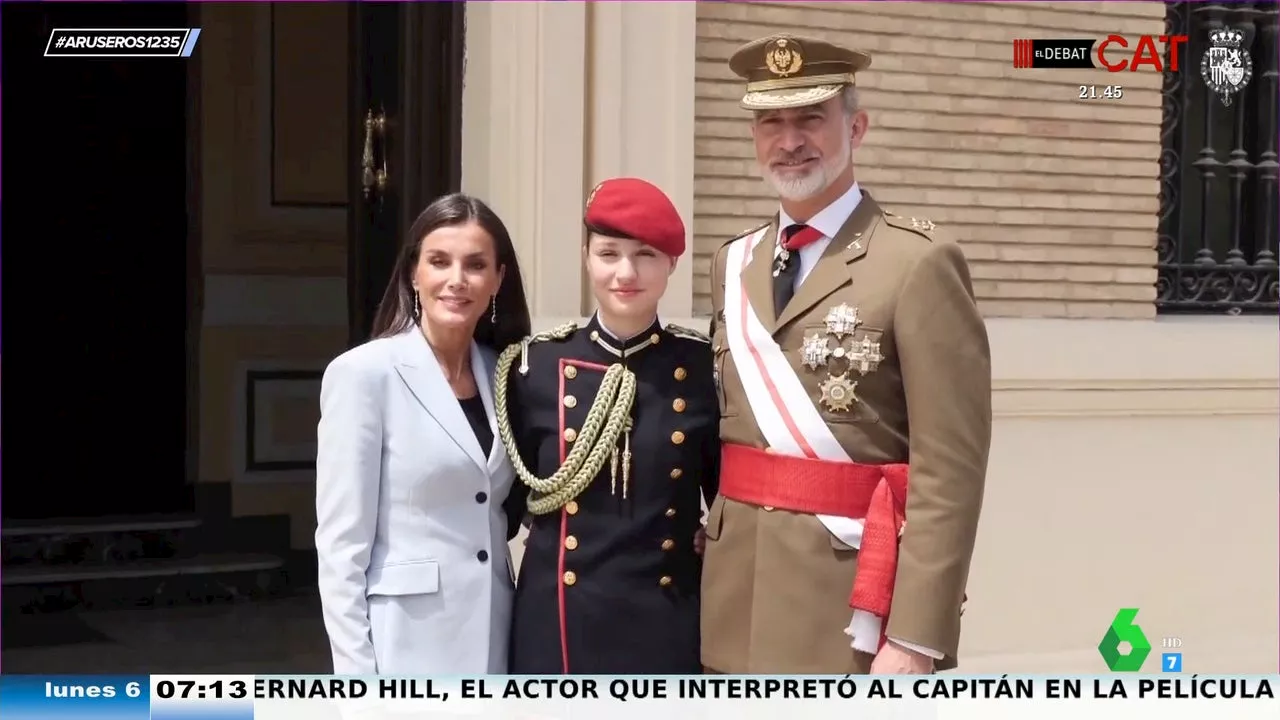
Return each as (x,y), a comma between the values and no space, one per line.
(687,333)
(920,226)
(558,333)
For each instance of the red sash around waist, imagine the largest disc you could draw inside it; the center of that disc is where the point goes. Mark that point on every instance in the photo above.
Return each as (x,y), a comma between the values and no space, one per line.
(876,494)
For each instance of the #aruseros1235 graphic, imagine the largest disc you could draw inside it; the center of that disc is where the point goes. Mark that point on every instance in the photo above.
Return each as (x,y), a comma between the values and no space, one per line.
(122,42)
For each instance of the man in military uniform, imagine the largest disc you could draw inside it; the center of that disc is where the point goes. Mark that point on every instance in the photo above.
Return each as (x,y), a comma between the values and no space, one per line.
(614,431)
(854,380)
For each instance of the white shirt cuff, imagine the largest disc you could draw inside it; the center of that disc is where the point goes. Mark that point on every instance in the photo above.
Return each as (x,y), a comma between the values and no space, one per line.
(918,648)
(864,631)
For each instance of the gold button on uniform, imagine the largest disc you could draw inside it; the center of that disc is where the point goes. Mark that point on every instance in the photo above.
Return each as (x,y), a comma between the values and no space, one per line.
(671,512)
(654,338)
(678,405)
(570,435)
(664,581)
(570,372)
(676,473)
(571,507)
(668,544)
(571,543)
(681,374)
(677,437)
(570,578)
(570,401)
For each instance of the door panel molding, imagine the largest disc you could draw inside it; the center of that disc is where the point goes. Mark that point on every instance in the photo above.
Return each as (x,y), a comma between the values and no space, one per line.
(269,222)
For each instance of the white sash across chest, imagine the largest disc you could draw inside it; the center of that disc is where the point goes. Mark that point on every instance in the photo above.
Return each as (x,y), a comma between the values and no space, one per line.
(787,417)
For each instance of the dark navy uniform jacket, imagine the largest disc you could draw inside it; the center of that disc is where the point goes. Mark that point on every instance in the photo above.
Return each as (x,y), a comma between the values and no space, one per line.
(609,584)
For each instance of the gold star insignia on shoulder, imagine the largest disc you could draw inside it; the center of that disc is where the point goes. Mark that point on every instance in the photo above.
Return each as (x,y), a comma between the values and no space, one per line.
(920,226)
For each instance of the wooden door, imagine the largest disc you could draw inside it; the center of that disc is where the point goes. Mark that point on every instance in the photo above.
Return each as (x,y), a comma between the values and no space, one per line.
(406,123)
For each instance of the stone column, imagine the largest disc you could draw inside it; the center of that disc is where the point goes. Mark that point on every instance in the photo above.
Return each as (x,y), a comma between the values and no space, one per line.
(559,96)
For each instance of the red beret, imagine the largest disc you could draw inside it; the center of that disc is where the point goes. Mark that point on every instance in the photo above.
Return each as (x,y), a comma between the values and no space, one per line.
(635,209)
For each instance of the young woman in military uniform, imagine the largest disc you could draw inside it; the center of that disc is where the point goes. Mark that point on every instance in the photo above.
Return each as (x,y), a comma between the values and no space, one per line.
(613,429)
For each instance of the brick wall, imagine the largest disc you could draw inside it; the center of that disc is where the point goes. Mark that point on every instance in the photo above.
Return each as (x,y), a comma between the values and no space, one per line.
(1053,197)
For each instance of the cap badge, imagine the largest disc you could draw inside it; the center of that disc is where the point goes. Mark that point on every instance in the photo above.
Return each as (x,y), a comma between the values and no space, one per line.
(783,58)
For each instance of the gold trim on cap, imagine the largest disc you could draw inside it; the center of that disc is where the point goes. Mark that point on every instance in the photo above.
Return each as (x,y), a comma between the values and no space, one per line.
(783,99)
(800,82)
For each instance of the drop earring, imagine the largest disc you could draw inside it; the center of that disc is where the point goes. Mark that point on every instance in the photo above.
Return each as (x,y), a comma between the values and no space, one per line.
(493,312)
(417,305)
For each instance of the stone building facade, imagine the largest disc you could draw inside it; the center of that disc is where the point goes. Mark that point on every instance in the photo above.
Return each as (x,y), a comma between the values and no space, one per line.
(1054,197)
(1134,460)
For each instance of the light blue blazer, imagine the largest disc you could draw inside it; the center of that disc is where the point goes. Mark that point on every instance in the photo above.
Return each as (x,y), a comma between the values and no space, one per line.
(415,575)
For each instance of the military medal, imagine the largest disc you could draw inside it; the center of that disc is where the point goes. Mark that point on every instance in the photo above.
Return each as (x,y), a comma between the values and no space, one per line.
(815,352)
(780,263)
(842,320)
(837,392)
(865,356)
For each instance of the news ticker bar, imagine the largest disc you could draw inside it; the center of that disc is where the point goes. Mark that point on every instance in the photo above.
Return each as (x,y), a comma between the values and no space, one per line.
(716,697)
(122,42)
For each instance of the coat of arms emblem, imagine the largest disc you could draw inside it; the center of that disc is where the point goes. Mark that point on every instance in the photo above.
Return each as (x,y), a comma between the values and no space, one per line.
(1226,66)
(783,58)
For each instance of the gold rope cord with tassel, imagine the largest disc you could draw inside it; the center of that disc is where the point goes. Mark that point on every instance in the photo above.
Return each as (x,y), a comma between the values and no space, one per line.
(608,418)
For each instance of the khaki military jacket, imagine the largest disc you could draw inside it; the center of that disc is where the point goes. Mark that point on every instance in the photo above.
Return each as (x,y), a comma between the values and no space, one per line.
(914,353)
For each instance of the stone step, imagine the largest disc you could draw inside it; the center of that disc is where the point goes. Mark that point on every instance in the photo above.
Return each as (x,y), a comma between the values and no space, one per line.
(96,526)
(39,574)
(196,579)
(121,540)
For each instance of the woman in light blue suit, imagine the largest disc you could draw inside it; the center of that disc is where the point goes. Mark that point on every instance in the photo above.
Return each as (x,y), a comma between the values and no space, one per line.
(414,572)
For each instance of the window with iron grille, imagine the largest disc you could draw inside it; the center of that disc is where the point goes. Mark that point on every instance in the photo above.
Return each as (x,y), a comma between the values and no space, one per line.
(1217,244)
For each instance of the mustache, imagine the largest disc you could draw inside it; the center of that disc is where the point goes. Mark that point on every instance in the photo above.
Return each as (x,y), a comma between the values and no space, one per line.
(792,157)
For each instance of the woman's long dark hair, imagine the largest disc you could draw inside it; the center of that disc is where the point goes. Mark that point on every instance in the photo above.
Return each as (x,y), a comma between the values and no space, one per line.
(395,312)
